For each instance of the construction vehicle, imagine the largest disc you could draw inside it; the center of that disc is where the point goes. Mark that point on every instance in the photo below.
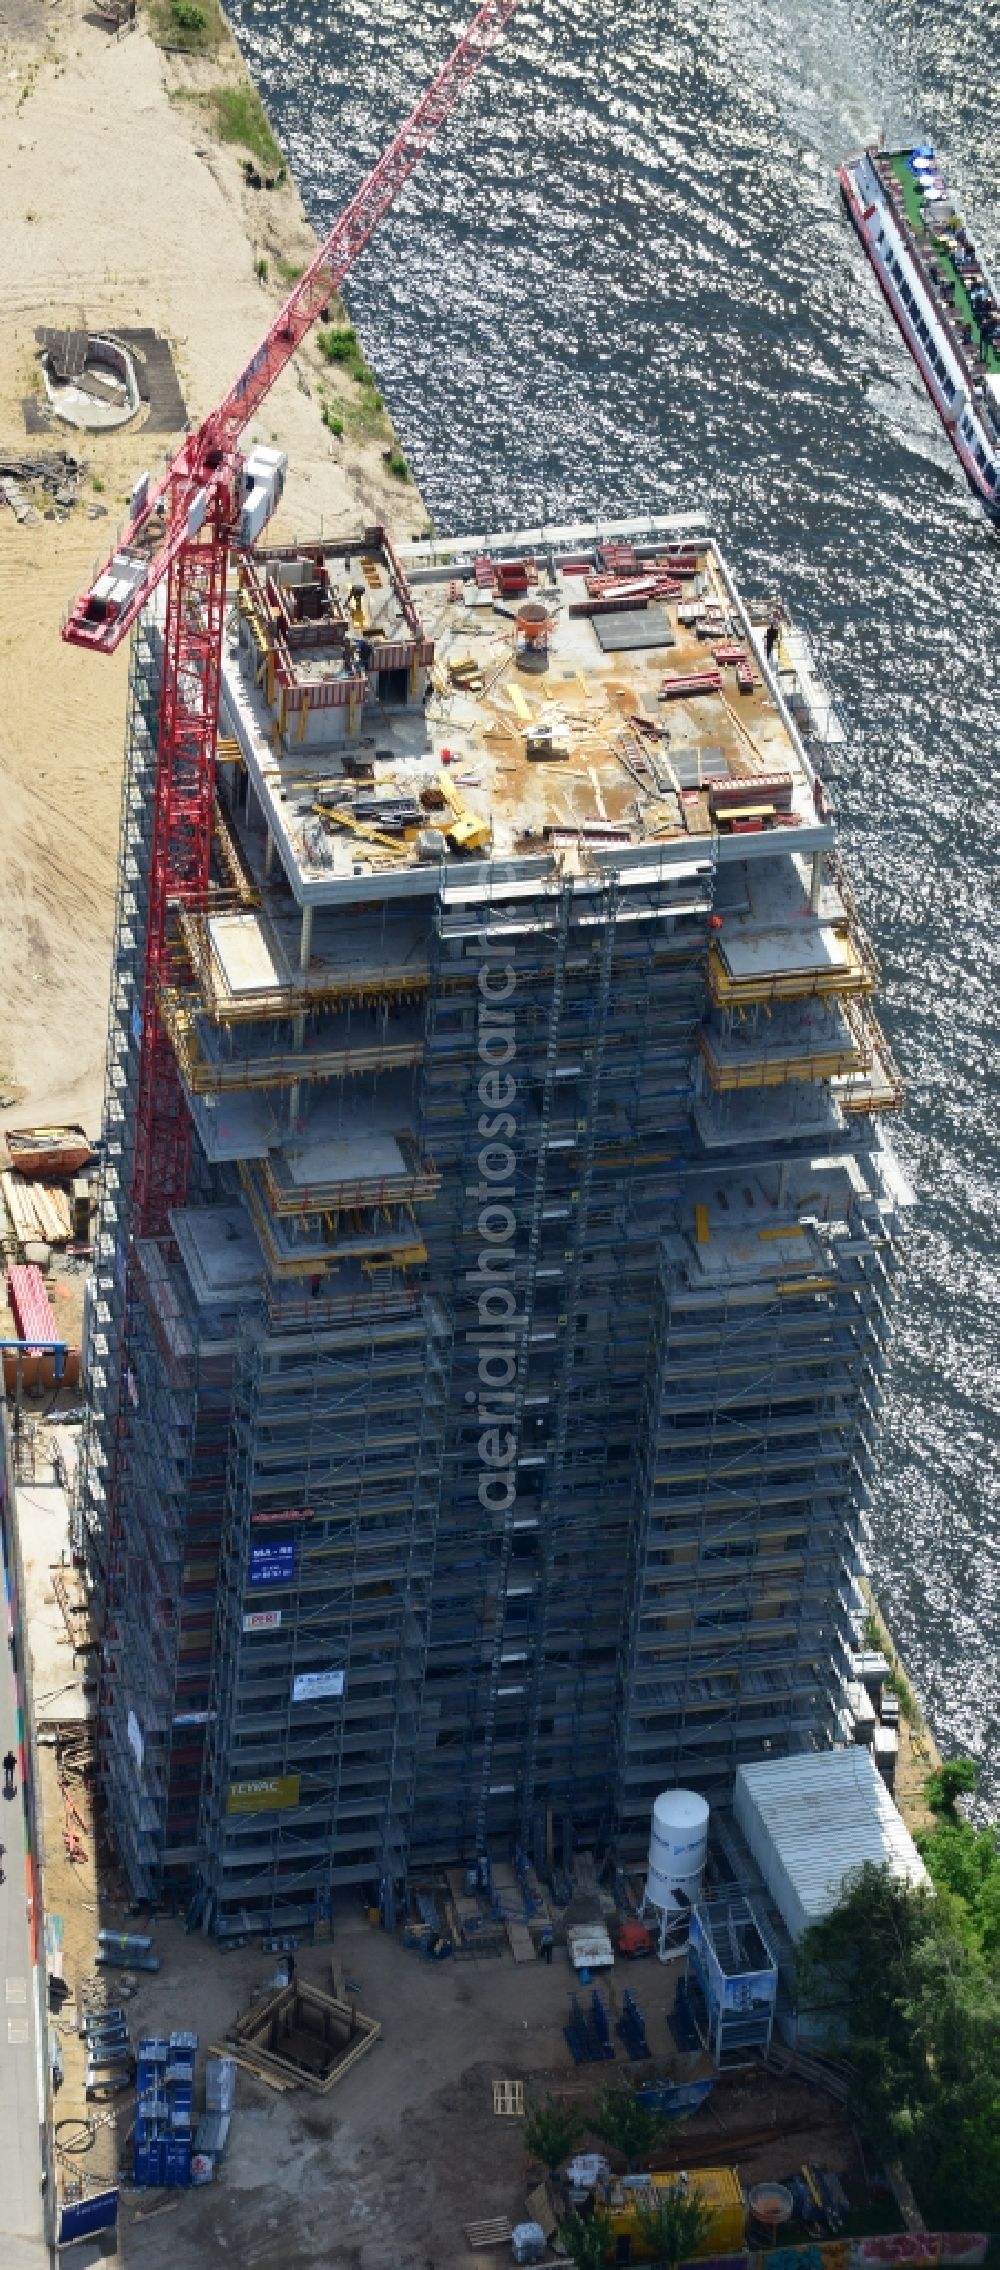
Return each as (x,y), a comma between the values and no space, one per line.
(466,830)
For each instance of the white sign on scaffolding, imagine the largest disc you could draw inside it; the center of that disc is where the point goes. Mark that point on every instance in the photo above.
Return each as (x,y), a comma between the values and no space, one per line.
(310,1686)
(262,1620)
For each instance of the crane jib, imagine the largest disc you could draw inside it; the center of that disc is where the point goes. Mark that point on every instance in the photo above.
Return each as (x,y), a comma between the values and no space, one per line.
(101,617)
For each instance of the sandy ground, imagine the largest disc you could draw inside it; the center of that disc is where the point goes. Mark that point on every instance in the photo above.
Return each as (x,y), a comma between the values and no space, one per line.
(116,206)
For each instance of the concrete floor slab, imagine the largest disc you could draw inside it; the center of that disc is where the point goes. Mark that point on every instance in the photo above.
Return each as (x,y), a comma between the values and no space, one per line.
(220,1251)
(245,954)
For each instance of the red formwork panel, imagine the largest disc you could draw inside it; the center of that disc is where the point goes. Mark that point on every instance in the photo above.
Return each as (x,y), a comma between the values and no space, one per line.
(30,1304)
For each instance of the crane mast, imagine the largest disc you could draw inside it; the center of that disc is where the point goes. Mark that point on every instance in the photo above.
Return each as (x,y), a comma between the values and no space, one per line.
(182,529)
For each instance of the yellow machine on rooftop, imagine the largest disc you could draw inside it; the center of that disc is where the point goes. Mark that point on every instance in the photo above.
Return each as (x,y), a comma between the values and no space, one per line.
(466,829)
(718,2188)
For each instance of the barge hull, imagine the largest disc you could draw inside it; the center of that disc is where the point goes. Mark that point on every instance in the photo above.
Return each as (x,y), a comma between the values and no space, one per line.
(859,213)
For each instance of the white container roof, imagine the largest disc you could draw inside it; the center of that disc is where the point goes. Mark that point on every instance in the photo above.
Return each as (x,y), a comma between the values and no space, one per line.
(811,1821)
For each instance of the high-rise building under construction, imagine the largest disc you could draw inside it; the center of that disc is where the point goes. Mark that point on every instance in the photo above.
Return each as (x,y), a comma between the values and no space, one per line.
(484,1445)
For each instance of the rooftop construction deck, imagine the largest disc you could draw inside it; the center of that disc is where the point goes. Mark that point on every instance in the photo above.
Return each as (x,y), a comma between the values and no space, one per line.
(538,709)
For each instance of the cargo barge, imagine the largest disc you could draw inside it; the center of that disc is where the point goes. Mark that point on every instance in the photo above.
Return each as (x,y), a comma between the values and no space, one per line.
(941,294)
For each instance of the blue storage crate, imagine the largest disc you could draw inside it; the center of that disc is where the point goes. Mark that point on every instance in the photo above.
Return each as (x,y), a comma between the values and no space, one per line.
(150,2164)
(183,2041)
(152,2110)
(177,2162)
(154,2047)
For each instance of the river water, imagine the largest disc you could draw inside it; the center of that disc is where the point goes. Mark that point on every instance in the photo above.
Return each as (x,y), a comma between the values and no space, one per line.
(620,282)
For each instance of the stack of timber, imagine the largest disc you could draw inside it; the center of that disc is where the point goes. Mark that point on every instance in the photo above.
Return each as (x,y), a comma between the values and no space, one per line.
(37,1211)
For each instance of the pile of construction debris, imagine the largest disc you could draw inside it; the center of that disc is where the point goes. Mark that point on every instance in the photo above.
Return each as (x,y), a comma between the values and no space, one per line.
(57,480)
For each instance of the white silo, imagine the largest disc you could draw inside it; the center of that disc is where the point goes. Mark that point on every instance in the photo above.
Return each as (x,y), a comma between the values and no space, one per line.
(678,1845)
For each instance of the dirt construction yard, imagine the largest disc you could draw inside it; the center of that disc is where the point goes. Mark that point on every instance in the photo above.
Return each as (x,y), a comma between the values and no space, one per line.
(385,2171)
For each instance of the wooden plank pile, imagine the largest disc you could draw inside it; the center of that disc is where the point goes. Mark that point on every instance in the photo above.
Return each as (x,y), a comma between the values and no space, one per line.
(681,685)
(37,1210)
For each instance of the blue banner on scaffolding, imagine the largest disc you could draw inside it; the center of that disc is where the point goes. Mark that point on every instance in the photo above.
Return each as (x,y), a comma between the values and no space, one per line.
(84,2217)
(273,1563)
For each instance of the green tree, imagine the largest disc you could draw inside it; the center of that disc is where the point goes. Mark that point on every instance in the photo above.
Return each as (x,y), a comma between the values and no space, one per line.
(628,2126)
(673,2222)
(964,1860)
(587,2239)
(551,2129)
(904,1968)
(957,1778)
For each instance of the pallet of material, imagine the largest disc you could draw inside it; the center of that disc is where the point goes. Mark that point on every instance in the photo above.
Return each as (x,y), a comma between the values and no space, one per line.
(520,1941)
(730,653)
(612,603)
(37,1210)
(654,586)
(496,2231)
(508,2099)
(30,1305)
(680,685)
(694,808)
(620,558)
(750,789)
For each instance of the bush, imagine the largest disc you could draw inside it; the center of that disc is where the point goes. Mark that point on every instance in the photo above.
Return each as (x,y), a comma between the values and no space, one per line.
(240,117)
(339,344)
(955,1779)
(333,423)
(587,2239)
(550,2131)
(673,2222)
(628,2126)
(397,464)
(188,17)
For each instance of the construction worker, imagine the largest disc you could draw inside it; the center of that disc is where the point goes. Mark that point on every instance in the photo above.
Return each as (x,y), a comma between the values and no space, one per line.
(545,1945)
(9,1770)
(772,633)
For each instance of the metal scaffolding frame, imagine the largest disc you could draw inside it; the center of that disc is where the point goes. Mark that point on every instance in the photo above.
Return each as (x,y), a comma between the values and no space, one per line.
(328,1659)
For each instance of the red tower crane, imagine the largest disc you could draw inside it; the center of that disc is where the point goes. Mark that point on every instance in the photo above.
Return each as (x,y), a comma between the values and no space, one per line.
(183,528)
